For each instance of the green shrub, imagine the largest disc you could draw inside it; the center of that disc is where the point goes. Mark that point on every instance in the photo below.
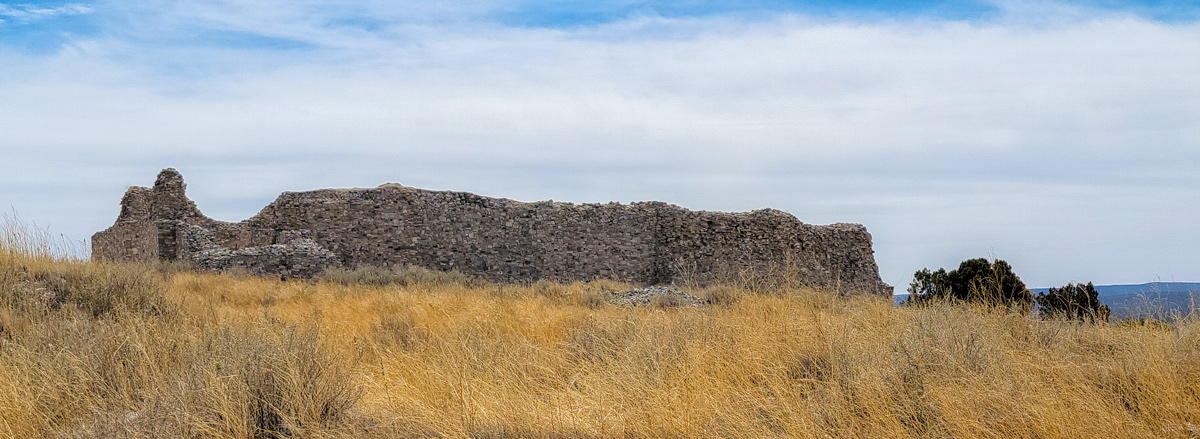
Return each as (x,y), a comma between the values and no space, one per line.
(1072,302)
(991,283)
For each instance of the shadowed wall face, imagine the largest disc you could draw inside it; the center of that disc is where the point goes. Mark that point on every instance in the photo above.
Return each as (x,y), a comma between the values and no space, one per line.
(301,233)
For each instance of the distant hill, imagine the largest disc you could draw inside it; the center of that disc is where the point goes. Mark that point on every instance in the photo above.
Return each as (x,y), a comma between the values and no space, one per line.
(1152,287)
(1154,299)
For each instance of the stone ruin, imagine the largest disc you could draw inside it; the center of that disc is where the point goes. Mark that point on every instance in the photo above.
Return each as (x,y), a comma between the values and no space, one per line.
(650,243)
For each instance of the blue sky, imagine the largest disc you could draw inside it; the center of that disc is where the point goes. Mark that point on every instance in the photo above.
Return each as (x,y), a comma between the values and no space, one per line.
(45,26)
(1063,137)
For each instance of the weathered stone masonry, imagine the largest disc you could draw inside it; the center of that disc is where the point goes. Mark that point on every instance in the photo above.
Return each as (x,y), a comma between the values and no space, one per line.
(302,233)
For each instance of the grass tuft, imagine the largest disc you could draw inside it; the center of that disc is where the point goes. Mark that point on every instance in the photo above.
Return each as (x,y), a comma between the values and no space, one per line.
(399,277)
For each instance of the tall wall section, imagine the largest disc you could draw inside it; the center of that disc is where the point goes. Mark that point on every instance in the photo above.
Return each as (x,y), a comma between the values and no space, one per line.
(302,233)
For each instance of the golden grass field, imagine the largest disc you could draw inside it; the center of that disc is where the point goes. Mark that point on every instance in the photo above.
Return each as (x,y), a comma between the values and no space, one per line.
(99,350)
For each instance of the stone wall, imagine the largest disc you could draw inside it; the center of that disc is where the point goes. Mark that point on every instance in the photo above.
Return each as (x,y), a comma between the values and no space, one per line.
(302,233)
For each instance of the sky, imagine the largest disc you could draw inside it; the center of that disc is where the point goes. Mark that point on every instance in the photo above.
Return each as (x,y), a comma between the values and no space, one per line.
(1062,137)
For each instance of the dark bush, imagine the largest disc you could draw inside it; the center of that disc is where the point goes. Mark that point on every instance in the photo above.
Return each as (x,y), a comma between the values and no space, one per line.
(1072,302)
(978,280)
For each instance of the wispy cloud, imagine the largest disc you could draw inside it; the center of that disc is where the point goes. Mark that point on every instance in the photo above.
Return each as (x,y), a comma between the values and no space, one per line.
(26,12)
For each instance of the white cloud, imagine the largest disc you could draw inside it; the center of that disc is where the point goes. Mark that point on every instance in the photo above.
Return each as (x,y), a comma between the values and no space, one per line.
(25,12)
(948,139)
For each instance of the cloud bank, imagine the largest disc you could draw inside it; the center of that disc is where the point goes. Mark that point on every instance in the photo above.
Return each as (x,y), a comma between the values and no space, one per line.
(1061,138)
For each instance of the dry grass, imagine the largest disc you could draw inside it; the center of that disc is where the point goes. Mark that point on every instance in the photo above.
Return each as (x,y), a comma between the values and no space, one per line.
(95,350)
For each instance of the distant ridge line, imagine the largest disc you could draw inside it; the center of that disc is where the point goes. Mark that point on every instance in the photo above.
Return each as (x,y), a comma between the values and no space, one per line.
(1149,287)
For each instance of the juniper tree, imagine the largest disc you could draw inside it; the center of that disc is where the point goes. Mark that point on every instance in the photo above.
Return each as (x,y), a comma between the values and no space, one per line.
(1072,302)
(974,281)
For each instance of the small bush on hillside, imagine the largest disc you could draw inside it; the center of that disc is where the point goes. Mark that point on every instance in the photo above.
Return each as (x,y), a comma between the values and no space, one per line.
(110,289)
(101,289)
(171,268)
(1145,322)
(1072,302)
(399,276)
(721,295)
(977,280)
(289,386)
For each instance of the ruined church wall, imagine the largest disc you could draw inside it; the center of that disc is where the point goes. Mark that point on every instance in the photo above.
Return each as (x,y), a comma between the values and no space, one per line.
(498,239)
(714,246)
(133,237)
